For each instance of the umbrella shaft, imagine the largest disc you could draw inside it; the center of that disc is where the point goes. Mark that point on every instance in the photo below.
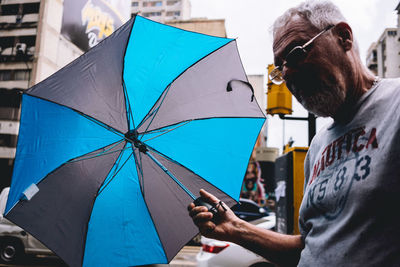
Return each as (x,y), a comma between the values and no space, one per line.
(171,175)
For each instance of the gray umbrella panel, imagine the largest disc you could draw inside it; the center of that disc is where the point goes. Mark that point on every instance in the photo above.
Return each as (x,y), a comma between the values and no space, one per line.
(208,96)
(167,201)
(66,225)
(93,87)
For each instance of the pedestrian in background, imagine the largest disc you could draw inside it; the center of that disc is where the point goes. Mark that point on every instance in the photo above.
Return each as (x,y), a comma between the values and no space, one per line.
(252,187)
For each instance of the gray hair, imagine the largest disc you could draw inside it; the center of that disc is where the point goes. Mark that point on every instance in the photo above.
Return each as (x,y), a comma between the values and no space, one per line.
(319,13)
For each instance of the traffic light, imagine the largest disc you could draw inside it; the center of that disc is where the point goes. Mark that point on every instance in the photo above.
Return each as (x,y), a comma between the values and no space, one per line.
(279,98)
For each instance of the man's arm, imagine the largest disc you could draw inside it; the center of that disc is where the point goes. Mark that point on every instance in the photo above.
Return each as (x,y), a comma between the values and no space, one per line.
(280,249)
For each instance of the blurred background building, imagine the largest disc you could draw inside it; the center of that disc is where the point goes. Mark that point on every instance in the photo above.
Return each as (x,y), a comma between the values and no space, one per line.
(383,56)
(162,10)
(214,27)
(19,22)
(32,47)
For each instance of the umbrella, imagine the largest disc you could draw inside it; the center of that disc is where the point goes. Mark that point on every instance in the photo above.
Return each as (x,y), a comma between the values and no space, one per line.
(113,147)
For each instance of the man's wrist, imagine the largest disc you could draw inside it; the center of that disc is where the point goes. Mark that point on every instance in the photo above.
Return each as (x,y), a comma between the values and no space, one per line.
(237,231)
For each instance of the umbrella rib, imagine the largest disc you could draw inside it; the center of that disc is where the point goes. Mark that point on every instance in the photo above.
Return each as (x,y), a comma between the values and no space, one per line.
(106,152)
(155,111)
(129,113)
(79,112)
(176,162)
(116,164)
(115,173)
(161,129)
(171,175)
(167,131)
(103,125)
(184,71)
(141,170)
(139,164)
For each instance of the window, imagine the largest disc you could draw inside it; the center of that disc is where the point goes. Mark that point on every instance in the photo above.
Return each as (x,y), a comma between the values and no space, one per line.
(6,42)
(31,8)
(151,14)
(7,113)
(5,75)
(173,13)
(6,167)
(8,140)
(172,2)
(154,3)
(21,75)
(9,10)
(14,75)
(29,40)
(135,3)
(10,98)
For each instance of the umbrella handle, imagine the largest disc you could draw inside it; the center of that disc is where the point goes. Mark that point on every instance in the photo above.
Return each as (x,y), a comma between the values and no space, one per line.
(213,208)
(229,87)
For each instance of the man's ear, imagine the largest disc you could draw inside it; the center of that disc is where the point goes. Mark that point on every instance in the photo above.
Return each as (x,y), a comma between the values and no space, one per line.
(344,34)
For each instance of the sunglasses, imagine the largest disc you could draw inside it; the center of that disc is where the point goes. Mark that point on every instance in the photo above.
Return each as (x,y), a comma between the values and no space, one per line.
(296,55)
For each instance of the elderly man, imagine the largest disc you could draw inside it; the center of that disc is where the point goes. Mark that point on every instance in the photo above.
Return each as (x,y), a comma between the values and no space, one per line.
(348,215)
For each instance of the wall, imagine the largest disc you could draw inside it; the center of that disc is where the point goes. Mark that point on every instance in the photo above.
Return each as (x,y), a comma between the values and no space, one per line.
(53,50)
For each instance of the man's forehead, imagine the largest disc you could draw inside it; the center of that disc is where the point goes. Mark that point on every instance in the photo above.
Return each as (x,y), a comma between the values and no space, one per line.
(295,29)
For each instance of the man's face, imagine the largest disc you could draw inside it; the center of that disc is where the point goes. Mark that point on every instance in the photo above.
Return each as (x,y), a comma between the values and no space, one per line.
(317,81)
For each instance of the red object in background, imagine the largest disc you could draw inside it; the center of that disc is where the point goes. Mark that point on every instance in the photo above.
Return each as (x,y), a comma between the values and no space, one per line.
(214,249)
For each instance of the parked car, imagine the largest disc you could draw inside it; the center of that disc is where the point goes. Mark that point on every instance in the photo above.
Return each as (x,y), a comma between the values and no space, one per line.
(15,243)
(249,210)
(216,253)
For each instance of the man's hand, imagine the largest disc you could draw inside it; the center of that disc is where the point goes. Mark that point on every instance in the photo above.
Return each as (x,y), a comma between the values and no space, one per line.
(281,249)
(222,227)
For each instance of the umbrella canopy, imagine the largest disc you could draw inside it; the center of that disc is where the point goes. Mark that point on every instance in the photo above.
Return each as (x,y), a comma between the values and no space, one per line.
(113,147)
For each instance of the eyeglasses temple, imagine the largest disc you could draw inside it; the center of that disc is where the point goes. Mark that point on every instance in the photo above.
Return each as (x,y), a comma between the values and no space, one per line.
(316,36)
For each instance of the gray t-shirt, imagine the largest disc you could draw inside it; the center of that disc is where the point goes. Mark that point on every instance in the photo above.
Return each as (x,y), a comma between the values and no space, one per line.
(350,213)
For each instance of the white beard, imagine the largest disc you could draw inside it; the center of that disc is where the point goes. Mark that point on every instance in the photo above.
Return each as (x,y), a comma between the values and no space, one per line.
(325,103)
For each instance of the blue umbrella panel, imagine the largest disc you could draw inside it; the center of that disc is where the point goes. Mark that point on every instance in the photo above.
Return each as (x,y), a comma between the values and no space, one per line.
(113,147)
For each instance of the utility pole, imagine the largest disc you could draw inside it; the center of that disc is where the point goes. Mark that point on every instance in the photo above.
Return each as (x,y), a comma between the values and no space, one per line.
(311,119)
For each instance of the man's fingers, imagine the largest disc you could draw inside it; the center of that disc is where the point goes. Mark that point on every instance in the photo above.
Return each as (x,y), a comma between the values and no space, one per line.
(202,218)
(191,206)
(210,198)
(196,210)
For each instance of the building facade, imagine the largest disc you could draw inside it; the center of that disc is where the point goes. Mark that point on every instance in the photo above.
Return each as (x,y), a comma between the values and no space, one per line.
(215,27)
(162,10)
(383,57)
(31,49)
(18,29)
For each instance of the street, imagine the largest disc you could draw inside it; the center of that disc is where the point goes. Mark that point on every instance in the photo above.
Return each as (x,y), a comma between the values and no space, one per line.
(185,258)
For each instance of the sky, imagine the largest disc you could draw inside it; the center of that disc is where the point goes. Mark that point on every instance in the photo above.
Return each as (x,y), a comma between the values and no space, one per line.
(250,21)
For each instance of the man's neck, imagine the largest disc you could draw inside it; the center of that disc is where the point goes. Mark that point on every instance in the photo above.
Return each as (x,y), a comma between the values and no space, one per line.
(361,82)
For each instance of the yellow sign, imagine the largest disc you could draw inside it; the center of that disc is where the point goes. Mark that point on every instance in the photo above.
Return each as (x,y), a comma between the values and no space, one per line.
(97,21)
